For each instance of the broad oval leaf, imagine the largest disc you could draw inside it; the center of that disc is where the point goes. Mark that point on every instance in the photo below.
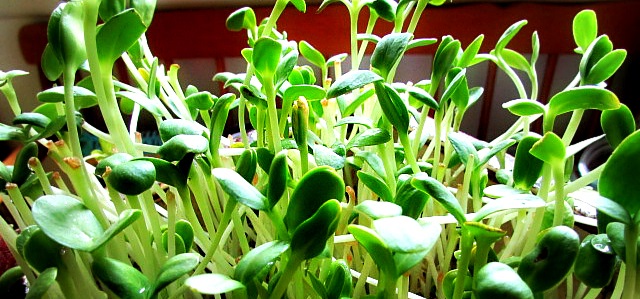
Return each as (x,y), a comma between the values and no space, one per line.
(310,237)
(423,96)
(118,34)
(122,279)
(278,178)
(309,92)
(524,107)
(375,246)
(239,189)
(549,149)
(266,56)
(369,137)
(172,127)
(212,284)
(132,177)
(393,107)
(83,97)
(66,34)
(67,221)
(617,124)
(388,51)
(439,192)
(404,234)
(350,81)
(378,209)
(312,54)
(258,261)
(584,97)
(179,146)
(585,28)
(243,18)
(619,175)
(174,268)
(606,67)
(527,168)
(306,199)
(376,185)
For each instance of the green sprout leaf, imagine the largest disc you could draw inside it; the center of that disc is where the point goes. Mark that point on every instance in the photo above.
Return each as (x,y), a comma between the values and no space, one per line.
(423,96)
(386,9)
(174,268)
(617,124)
(132,177)
(619,174)
(606,67)
(179,146)
(585,29)
(278,178)
(266,56)
(310,237)
(527,168)
(508,35)
(469,54)
(378,209)
(388,52)
(310,53)
(66,34)
(512,202)
(350,81)
(243,18)
(239,189)
(375,246)
(376,185)
(393,107)
(440,193)
(38,249)
(551,260)
(122,279)
(84,98)
(306,199)
(40,287)
(549,149)
(118,34)
(598,49)
(259,261)
(524,107)
(172,127)
(212,284)
(596,261)
(497,280)
(369,137)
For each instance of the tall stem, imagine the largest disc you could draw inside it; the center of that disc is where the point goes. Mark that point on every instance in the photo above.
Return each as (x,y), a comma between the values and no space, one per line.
(631,239)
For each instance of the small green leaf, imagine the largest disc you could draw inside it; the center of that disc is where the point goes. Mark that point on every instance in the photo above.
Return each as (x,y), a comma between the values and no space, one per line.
(393,107)
(421,42)
(212,284)
(21,170)
(285,67)
(585,28)
(620,173)
(549,149)
(512,202)
(596,262)
(378,209)
(375,246)
(339,283)
(515,60)
(527,168)
(126,218)
(145,8)
(310,237)
(174,268)
(470,52)
(551,260)
(258,261)
(463,147)
(306,199)
(66,34)
(122,279)
(326,156)
(239,189)
(443,59)
(403,234)
(600,47)
(386,9)
(243,18)
(179,146)
(508,35)
(167,172)
(300,5)
(355,120)
(84,98)
(388,52)
(498,280)
(32,119)
(440,193)
(246,165)
(309,92)
(266,56)
(40,287)
(67,221)
(609,207)
(132,177)
(375,184)
(350,81)
(617,124)
(524,107)
(51,66)
(117,35)
(310,53)
(172,127)
(409,197)
(423,96)
(606,67)
(278,178)
(369,137)
(38,249)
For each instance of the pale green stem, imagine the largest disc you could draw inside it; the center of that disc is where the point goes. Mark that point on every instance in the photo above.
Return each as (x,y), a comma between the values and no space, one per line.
(289,270)
(630,238)
(215,242)
(272,114)
(10,93)
(558,178)
(18,207)
(572,127)
(36,166)
(363,45)
(417,139)
(466,245)
(417,13)
(406,143)
(522,93)
(354,12)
